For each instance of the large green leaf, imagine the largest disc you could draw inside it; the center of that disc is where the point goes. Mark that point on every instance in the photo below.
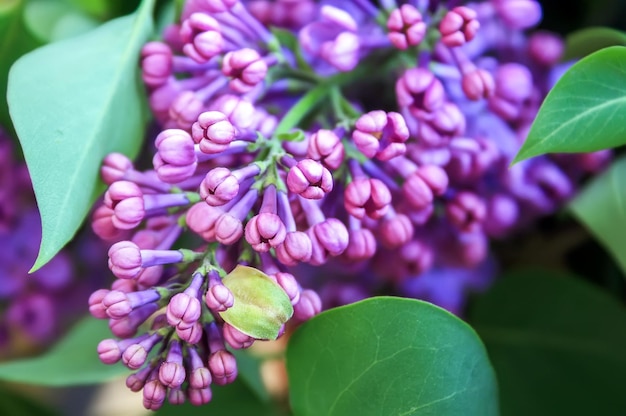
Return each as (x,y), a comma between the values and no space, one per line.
(389,356)
(586,109)
(557,344)
(55,20)
(601,207)
(590,39)
(72,102)
(15,40)
(73,361)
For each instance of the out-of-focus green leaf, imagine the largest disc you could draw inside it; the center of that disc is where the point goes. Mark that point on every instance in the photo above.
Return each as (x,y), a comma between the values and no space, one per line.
(590,39)
(586,109)
(249,370)
(601,207)
(16,403)
(55,20)
(73,361)
(73,102)
(389,356)
(557,344)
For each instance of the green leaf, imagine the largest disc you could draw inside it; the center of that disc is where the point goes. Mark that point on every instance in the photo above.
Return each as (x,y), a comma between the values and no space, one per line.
(17,403)
(590,39)
(601,207)
(557,344)
(585,111)
(73,361)
(231,400)
(72,102)
(389,356)
(261,306)
(249,370)
(15,40)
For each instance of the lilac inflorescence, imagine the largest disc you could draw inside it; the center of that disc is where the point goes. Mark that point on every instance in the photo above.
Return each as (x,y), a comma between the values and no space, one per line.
(371,141)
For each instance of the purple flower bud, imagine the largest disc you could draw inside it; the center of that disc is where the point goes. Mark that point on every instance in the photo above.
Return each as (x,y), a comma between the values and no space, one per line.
(265,231)
(199,375)
(219,186)
(295,248)
(435,177)
(172,372)
(309,305)
(546,48)
(185,110)
(125,198)
(514,85)
(417,192)
(127,326)
(136,381)
(325,146)
(416,257)
(228,229)
(135,355)
(202,37)
(102,224)
(406,27)
(176,396)
(96,308)
(213,131)
(502,214)
(223,367)
(419,88)
(361,245)
(466,210)
(192,334)
(395,231)
(331,235)
(289,284)
(458,26)
(125,259)
(438,127)
(198,397)
(109,351)
(309,179)
(114,167)
(367,196)
(184,308)
(156,63)
(478,84)
(245,67)
(519,14)
(119,304)
(201,219)
(154,392)
(218,297)
(235,338)
(381,134)
(175,159)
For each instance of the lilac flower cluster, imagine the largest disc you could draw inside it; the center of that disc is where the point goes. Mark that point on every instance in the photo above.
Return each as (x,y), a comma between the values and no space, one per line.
(341,135)
(34,308)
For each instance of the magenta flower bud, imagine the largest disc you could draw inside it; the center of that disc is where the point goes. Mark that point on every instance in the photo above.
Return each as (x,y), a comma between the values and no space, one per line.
(136,381)
(125,259)
(309,305)
(172,372)
(218,297)
(135,355)
(192,334)
(175,159)
(228,229)
(406,27)
(419,88)
(239,111)
(519,14)
(213,132)
(109,351)
(125,198)
(309,179)
(325,146)
(202,37)
(156,63)
(102,224)
(289,284)
(367,196)
(199,375)
(478,84)
(265,231)
(361,245)
(119,304)
(381,134)
(223,367)
(201,219)
(546,48)
(439,127)
(154,392)
(467,211)
(235,338)
(514,85)
(96,308)
(458,26)
(219,186)
(332,234)
(343,53)
(395,231)
(176,396)
(211,6)
(417,192)
(185,110)
(184,309)
(502,214)
(435,177)
(417,257)
(198,397)
(295,248)
(127,326)
(114,167)
(245,67)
